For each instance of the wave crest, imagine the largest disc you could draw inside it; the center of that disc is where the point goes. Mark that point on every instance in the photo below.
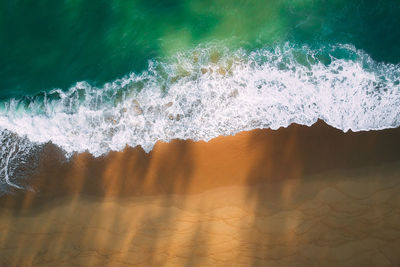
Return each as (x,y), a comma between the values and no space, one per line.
(210,92)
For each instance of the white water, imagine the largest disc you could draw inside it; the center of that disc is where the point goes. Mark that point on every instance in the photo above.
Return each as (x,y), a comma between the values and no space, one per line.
(203,94)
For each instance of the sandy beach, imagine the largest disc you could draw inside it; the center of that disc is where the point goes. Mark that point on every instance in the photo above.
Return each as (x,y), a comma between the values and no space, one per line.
(199,133)
(298,196)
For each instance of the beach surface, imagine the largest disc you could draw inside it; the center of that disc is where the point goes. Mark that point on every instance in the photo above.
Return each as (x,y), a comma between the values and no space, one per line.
(297,196)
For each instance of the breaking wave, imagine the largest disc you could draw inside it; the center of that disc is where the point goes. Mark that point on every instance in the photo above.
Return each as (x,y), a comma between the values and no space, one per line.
(202,94)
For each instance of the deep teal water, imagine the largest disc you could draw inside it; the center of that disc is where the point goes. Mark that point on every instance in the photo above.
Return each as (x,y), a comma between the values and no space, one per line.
(46,44)
(99,75)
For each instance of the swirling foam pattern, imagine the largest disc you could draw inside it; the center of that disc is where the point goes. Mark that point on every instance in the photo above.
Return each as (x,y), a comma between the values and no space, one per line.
(205,93)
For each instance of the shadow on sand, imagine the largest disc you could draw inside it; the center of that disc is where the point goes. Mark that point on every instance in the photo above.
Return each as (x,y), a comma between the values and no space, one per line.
(274,167)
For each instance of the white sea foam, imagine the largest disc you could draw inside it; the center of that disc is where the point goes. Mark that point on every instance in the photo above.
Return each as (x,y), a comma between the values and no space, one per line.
(208,92)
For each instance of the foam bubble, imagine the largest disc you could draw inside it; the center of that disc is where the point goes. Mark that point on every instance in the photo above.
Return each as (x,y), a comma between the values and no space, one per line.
(19,160)
(210,92)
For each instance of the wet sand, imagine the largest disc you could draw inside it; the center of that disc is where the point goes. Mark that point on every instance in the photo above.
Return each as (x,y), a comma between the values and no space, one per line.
(300,196)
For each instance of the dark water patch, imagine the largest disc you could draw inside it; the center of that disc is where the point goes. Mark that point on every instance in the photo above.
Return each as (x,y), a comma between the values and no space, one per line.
(53,44)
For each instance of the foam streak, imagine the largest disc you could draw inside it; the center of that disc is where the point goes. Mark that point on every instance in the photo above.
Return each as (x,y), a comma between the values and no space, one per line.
(209,92)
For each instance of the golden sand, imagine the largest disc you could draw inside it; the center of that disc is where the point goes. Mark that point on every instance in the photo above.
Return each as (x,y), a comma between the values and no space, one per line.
(294,197)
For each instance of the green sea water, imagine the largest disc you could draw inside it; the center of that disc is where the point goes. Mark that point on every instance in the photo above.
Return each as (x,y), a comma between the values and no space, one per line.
(46,44)
(99,75)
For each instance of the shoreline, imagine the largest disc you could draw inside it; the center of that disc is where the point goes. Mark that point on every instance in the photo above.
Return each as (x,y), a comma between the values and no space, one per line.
(296,196)
(186,166)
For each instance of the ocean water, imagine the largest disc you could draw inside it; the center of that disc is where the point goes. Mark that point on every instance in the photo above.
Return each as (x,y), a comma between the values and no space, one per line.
(99,75)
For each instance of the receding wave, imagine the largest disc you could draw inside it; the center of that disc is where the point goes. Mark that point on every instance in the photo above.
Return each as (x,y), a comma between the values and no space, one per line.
(202,94)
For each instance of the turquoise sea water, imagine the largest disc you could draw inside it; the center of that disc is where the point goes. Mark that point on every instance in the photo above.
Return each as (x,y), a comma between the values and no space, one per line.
(50,44)
(94,75)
